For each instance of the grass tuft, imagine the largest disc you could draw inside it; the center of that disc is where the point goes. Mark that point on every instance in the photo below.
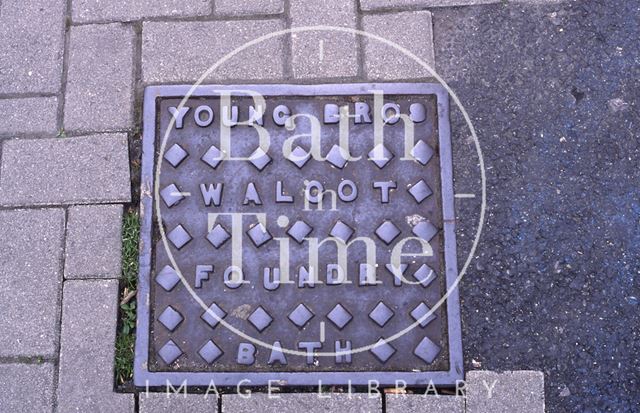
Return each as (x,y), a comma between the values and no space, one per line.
(125,339)
(130,236)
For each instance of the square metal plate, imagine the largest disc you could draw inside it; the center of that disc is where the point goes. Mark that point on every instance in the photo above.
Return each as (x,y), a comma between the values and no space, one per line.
(352,326)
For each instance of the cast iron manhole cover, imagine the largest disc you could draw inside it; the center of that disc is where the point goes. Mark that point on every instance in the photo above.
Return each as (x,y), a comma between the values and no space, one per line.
(302,263)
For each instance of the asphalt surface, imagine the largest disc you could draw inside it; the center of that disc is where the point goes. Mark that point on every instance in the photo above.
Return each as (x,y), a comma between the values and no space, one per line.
(554,93)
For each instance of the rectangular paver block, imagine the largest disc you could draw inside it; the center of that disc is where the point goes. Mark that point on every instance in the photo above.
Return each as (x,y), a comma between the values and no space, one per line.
(183,51)
(429,403)
(29,116)
(88,169)
(391,4)
(511,391)
(32,45)
(87,347)
(411,30)
(31,271)
(175,403)
(84,11)
(94,242)
(26,387)
(323,54)
(243,7)
(99,94)
(301,402)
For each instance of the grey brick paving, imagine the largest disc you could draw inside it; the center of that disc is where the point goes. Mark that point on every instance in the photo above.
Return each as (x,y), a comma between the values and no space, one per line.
(89,169)
(177,403)
(31,271)
(26,387)
(173,52)
(392,4)
(94,242)
(32,34)
(301,402)
(95,169)
(424,403)
(99,94)
(511,391)
(322,54)
(84,11)
(29,116)
(243,7)
(411,30)
(89,318)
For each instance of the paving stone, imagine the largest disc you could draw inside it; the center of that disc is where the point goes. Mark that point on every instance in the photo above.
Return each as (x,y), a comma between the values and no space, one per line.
(182,52)
(391,4)
(323,54)
(86,376)
(94,242)
(88,169)
(411,30)
(26,388)
(32,46)
(177,403)
(84,11)
(510,391)
(424,403)
(99,94)
(243,7)
(301,402)
(31,271)
(29,116)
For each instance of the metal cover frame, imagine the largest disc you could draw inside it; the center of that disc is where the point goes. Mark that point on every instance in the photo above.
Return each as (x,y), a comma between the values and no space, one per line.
(145,378)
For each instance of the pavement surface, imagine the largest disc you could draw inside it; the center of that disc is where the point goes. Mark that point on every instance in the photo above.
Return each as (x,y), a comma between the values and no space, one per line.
(551,301)
(554,95)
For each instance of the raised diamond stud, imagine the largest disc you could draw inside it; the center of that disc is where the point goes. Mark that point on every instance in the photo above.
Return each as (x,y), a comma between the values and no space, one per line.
(179,237)
(381,314)
(420,314)
(210,352)
(170,352)
(422,152)
(387,232)
(300,315)
(380,155)
(299,157)
(425,230)
(425,275)
(213,315)
(342,231)
(171,195)
(382,350)
(170,318)
(167,278)
(259,235)
(427,350)
(299,231)
(218,236)
(175,155)
(337,157)
(339,316)
(260,319)
(213,157)
(420,191)
(260,159)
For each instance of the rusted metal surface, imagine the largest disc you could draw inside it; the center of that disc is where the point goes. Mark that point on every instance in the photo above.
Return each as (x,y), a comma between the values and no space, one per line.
(350,325)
